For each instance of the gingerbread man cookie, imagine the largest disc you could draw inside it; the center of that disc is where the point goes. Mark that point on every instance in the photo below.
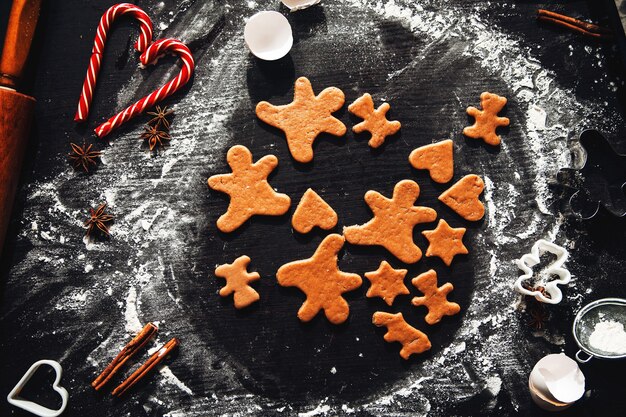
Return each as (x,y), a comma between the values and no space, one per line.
(313,211)
(249,191)
(321,280)
(462,197)
(374,120)
(393,222)
(305,117)
(398,330)
(387,283)
(435,299)
(237,281)
(445,242)
(437,158)
(487,120)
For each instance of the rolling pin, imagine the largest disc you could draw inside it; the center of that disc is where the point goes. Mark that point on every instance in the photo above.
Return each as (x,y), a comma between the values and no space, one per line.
(16,109)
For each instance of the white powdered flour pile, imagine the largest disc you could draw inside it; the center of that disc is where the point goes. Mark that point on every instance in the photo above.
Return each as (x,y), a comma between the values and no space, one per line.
(609,336)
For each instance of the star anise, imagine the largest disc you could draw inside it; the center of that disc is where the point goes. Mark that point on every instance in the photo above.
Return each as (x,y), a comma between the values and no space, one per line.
(83,156)
(97,219)
(538,314)
(160,117)
(154,136)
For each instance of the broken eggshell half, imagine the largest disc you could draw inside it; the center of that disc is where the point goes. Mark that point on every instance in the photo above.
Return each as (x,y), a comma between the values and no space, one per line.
(295,5)
(268,35)
(526,263)
(556,382)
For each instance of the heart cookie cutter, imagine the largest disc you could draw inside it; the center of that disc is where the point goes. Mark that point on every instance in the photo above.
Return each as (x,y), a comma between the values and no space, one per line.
(14,399)
(529,260)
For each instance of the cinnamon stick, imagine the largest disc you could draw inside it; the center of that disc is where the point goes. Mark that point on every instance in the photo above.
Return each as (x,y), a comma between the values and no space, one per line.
(125,354)
(156,358)
(584,28)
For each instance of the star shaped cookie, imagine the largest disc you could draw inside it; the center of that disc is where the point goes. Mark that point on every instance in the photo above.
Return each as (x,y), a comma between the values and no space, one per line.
(305,117)
(445,242)
(393,222)
(238,281)
(387,283)
(249,191)
(321,280)
(435,299)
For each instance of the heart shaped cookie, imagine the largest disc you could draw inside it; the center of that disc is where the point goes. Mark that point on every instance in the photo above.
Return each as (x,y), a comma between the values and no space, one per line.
(462,197)
(14,399)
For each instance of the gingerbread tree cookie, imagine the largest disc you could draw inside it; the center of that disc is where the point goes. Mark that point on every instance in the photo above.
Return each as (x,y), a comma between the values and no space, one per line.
(321,280)
(249,191)
(387,283)
(445,242)
(374,120)
(487,120)
(313,211)
(398,330)
(305,117)
(393,222)
(462,197)
(435,299)
(437,158)
(238,281)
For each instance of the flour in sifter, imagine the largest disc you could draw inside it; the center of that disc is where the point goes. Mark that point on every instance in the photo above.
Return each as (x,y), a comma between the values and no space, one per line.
(609,336)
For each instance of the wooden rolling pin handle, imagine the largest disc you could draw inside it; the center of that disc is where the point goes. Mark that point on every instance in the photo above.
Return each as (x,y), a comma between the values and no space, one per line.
(16,115)
(18,39)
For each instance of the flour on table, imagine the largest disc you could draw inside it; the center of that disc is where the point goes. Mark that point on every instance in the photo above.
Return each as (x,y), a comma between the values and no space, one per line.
(552,113)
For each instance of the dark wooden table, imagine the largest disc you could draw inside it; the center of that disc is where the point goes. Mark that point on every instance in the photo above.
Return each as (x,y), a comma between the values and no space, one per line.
(78,302)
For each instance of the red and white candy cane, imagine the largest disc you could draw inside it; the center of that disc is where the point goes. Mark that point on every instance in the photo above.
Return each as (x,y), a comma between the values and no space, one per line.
(145,39)
(152,54)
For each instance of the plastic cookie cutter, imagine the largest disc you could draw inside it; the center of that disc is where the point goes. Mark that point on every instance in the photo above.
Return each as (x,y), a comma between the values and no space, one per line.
(600,185)
(547,291)
(14,399)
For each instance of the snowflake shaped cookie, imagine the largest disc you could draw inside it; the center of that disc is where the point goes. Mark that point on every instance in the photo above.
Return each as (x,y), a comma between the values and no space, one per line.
(548,292)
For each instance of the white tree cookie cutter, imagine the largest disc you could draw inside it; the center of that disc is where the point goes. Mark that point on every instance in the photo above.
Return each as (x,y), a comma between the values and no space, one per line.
(14,399)
(529,260)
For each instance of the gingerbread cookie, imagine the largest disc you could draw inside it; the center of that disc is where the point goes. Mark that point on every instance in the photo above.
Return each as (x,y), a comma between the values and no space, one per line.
(445,242)
(313,211)
(393,222)
(237,281)
(305,117)
(398,330)
(435,299)
(437,158)
(462,197)
(387,283)
(374,120)
(249,191)
(487,120)
(321,280)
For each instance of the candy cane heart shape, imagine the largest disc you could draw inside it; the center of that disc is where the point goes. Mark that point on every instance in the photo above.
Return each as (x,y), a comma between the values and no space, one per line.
(152,54)
(145,39)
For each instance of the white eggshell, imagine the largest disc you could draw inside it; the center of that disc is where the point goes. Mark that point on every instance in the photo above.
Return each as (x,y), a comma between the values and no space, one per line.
(557,379)
(295,5)
(544,402)
(268,35)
